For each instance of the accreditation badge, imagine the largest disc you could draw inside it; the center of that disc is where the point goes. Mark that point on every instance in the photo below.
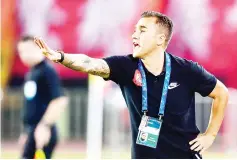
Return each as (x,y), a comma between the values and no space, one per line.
(149,131)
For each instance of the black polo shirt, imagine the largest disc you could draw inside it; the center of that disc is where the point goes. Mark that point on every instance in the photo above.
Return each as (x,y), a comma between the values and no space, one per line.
(179,125)
(41,85)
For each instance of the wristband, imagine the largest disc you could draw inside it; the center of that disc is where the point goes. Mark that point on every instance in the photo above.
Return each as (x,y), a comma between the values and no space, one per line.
(62,56)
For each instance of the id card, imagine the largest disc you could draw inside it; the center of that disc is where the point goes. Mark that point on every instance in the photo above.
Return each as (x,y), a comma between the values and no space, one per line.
(149,131)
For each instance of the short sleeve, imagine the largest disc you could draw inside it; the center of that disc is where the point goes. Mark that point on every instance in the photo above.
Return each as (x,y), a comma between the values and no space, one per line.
(118,66)
(203,81)
(53,83)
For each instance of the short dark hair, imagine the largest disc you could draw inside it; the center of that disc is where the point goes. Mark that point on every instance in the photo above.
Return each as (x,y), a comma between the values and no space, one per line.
(26,38)
(162,20)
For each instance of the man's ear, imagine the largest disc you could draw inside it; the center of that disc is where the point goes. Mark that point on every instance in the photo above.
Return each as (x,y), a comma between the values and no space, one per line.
(161,39)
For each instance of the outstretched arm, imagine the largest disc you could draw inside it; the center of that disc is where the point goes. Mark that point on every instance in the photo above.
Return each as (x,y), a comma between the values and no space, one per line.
(78,62)
(84,63)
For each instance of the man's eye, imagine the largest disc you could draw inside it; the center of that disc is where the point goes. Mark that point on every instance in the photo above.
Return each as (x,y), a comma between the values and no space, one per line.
(142,31)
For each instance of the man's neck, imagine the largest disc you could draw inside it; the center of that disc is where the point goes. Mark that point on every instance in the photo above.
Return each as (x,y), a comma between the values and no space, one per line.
(154,62)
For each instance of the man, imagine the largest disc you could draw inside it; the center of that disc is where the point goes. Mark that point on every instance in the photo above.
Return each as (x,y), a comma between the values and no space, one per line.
(44,101)
(159,88)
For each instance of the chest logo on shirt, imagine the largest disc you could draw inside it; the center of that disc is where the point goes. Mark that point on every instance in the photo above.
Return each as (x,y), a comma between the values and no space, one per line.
(173,85)
(137,79)
(30,89)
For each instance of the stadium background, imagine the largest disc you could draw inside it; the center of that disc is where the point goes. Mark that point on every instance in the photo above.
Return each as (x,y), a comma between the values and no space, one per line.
(205,31)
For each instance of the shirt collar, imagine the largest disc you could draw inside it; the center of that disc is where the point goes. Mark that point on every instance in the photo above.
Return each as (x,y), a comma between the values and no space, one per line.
(163,70)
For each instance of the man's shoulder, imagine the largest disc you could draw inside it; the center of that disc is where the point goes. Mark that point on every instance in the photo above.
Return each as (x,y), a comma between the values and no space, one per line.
(48,70)
(128,58)
(124,56)
(182,63)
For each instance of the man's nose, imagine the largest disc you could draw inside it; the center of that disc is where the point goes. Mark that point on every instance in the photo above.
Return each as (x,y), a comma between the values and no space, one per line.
(134,35)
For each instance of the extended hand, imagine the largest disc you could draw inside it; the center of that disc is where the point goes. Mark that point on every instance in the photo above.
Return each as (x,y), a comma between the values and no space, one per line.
(49,53)
(42,135)
(202,142)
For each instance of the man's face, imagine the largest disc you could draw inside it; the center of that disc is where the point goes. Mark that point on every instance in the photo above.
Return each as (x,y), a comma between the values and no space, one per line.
(144,137)
(29,53)
(147,37)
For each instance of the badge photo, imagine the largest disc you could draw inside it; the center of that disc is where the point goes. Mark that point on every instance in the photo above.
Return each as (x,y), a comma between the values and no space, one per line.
(143,136)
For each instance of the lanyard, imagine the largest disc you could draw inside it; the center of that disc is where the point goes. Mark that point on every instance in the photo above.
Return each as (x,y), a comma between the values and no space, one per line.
(165,86)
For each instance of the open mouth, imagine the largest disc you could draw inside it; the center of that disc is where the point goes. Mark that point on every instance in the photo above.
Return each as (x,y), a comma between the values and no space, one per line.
(136,44)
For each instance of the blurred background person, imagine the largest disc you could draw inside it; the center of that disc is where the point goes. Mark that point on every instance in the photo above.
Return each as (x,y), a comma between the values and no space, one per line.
(44,101)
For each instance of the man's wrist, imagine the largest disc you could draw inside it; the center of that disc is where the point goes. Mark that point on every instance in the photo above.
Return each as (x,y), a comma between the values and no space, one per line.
(211,134)
(61,57)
